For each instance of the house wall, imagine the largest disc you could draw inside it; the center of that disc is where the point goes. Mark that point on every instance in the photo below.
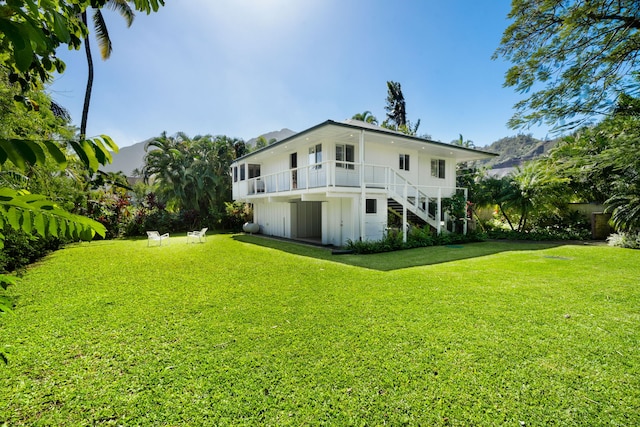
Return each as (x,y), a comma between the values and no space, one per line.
(274,218)
(419,172)
(340,220)
(375,225)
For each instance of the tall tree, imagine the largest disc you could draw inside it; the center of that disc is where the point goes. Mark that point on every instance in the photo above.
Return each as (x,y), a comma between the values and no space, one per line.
(396,106)
(396,111)
(104,42)
(577,56)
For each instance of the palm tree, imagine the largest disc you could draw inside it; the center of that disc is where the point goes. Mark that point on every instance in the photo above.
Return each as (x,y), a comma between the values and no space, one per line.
(366,117)
(104,42)
(396,106)
(461,142)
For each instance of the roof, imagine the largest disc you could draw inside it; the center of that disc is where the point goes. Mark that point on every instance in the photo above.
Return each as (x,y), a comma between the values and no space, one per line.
(333,130)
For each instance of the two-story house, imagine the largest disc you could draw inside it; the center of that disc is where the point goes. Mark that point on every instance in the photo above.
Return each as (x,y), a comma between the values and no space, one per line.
(337,181)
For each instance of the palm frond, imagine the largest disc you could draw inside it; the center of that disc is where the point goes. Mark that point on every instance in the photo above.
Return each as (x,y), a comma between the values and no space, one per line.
(102,34)
(123,8)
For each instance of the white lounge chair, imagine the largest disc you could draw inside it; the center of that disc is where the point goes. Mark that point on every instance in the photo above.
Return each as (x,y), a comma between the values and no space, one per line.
(200,235)
(154,235)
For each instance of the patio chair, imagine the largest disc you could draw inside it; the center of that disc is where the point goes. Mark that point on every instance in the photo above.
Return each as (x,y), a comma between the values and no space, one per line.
(154,235)
(200,235)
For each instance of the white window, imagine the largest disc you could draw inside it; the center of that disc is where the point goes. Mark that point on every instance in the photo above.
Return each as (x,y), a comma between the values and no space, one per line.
(404,162)
(242,172)
(345,153)
(437,168)
(315,156)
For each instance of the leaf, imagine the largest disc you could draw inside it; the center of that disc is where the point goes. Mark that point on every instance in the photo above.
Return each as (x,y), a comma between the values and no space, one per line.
(39,224)
(7,280)
(30,151)
(60,27)
(12,153)
(63,227)
(27,224)
(53,226)
(109,143)
(13,218)
(56,153)
(85,152)
(5,306)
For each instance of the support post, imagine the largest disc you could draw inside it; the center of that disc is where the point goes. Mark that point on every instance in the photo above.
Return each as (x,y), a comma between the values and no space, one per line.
(363,189)
(438,212)
(405,204)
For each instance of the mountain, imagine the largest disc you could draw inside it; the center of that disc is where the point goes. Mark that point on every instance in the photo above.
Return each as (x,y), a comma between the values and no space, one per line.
(515,150)
(132,157)
(128,159)
(278,135)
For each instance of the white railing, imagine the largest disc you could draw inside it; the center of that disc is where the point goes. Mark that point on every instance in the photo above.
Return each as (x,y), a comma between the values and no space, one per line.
(424,201)
(325,174)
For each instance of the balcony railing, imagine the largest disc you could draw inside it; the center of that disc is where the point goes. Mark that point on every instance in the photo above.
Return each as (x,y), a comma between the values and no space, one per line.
(331,174)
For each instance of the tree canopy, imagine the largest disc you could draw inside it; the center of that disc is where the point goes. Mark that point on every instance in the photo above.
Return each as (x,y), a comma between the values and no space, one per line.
(572,58)
(396,111)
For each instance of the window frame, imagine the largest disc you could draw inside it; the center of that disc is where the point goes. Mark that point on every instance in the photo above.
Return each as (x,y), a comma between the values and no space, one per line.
(253,170)
(348,156)
(315,156)
(438,168)
(371,206)
(404,162)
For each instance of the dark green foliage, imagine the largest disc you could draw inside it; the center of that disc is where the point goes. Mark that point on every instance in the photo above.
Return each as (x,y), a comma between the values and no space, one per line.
(572,59)
(541,234)
(236,214)
(21,249)
(417,238)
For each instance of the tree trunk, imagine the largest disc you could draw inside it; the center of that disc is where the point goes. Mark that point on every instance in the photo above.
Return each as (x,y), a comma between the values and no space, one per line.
(505,216)
(87,94)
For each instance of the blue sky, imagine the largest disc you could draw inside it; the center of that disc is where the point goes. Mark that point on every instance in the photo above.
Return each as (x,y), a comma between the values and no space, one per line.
(246,67)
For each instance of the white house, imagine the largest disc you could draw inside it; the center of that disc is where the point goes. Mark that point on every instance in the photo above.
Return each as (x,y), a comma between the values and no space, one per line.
(337,181)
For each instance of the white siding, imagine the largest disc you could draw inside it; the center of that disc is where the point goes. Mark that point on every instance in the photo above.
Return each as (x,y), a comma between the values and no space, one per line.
(274,218)
(375,225)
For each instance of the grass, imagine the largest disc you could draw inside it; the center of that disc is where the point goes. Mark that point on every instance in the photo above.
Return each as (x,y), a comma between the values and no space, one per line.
(249,331)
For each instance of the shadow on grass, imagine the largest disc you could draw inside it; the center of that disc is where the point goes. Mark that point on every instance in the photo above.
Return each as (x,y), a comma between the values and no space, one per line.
(396,260)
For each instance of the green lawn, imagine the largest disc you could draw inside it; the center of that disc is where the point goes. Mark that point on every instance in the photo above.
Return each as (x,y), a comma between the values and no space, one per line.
(249,331)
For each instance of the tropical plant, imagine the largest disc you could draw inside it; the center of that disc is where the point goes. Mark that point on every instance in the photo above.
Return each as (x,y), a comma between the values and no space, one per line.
(193,173)
(601,164)
(461,142)
(104,42)
(572,58)
(536,191)
(366,117)
(396,111)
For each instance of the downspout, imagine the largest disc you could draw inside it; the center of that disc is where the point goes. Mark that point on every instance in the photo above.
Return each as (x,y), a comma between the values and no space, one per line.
(363,189)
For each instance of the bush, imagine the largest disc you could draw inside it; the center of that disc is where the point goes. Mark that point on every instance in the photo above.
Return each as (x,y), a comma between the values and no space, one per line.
(21,249)
(629,240)
(540,234)
(417,238)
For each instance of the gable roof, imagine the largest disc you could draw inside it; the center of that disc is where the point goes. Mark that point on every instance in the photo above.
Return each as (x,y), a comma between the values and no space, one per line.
(347,129)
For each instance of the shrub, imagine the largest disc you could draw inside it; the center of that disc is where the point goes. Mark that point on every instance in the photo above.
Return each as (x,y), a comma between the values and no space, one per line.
(629,240)
(417,238)
(540,234)
(21,249)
